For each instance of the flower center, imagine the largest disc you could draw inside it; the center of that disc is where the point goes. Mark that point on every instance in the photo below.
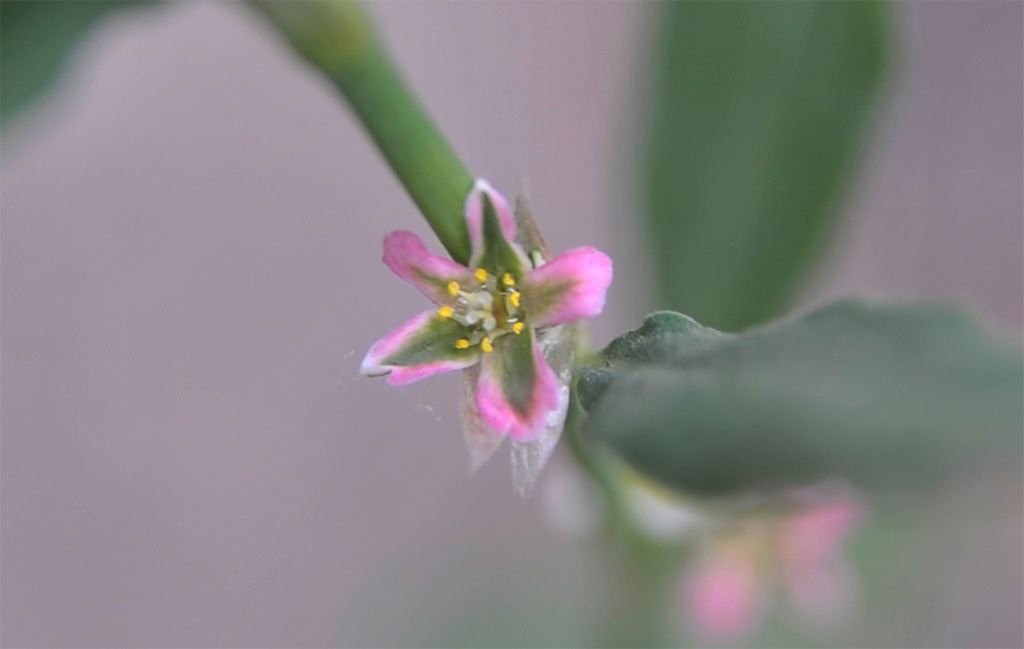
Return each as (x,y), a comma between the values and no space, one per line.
(489,309)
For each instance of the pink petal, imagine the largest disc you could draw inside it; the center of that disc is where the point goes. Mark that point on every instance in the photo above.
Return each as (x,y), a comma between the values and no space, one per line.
(403,375)
(558,344)
(475,213)
(373,364)
(481,440)
(407,256)
(499,414)
(723,599)
(570,287)
(815,536)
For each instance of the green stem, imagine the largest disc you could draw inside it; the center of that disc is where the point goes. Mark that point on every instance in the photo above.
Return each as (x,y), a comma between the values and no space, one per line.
(638,606)
(640,569)
(337,38)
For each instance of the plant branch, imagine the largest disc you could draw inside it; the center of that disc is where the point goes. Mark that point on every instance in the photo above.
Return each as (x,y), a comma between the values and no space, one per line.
(337,38)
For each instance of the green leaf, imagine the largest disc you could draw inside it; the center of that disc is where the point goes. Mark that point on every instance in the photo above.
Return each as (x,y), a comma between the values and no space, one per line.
(884,396)
(757,115)
(36,39)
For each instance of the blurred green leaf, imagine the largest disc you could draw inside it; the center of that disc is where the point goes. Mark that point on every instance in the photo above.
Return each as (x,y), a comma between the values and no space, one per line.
(757,112)
(884,396)
(36,39)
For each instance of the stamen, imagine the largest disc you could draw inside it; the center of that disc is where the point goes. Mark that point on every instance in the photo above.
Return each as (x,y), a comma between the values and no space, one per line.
(490,308)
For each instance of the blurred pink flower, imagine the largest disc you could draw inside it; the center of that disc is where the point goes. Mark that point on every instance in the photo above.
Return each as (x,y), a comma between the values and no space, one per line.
(489,313)
(724,597)
(727,589)
(818,578)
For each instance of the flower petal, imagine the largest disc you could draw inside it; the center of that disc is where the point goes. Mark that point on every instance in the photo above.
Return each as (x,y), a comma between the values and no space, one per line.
(407,256)
(481,440)
(558,344)
(517,389)
(475,213)
(422,347)
(492,230)
(816,536)
(570,287)
(723,599)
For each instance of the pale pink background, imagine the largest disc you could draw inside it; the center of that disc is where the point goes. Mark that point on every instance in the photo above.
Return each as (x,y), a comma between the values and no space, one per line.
(191,274)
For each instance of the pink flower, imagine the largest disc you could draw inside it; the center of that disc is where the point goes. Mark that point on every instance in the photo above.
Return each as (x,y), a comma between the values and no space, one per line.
(724,598)
(728,588)
(490,313)
(819,578)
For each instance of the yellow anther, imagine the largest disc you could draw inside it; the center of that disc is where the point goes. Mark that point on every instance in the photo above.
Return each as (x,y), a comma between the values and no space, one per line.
(480,274)
(486,345)
(513,298)
(453,288)
(445,312)
(518,327)
(507,279)
(461,343)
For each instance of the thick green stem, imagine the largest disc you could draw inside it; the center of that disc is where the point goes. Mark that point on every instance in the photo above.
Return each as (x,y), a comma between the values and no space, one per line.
(337,38)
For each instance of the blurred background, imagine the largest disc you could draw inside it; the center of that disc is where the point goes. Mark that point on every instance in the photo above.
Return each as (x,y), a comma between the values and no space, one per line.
(191,275)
